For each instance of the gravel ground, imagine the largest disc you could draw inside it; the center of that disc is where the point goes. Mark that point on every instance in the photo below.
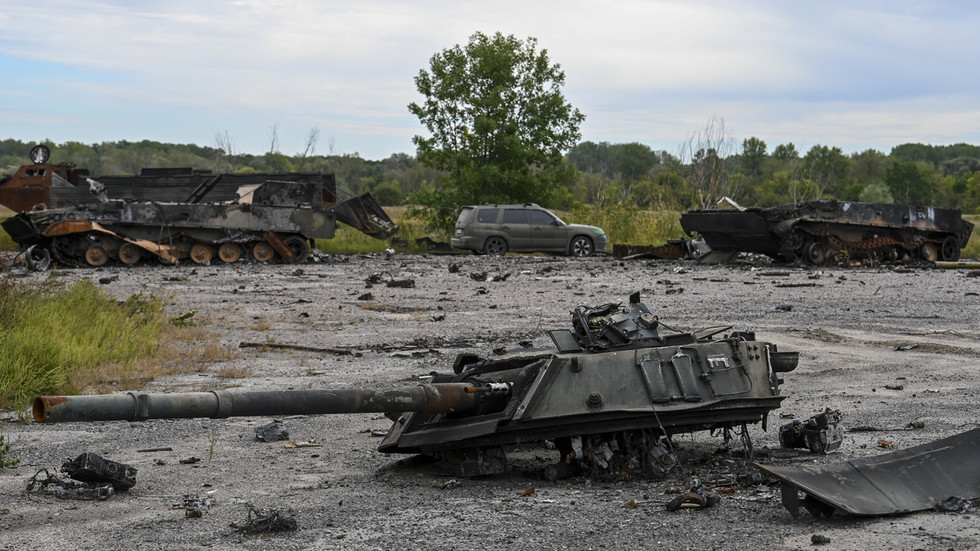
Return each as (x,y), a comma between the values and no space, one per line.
(344,494)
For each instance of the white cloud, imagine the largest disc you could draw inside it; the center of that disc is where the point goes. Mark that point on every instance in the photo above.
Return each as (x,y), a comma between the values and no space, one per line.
(639,70)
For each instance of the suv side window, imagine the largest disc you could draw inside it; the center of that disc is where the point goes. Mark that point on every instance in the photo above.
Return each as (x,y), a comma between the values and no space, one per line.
(487,216)
(540,218)
(515,216)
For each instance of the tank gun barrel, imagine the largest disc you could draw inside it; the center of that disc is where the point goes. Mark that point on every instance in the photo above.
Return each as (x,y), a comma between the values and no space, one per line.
(132,406)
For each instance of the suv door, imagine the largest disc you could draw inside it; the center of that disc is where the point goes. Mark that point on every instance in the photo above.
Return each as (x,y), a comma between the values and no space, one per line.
(516,230)
(547,233)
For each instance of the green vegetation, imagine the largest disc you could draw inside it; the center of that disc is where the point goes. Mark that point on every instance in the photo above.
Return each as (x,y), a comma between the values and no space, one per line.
(55,337)
(6,454)
(972,249)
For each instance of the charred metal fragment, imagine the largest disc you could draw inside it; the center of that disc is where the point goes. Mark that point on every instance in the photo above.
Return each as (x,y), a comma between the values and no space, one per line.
(821,433)
(905,481)
(90,467)
(620,384)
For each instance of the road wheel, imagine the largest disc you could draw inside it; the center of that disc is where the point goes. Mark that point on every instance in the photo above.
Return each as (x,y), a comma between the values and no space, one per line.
(201,253)
(951,249)
(929,252)
(263,252)
(298,248)
(495,246)
(814,253)
(130,254)
(96,256)
(229,252)
(581,246)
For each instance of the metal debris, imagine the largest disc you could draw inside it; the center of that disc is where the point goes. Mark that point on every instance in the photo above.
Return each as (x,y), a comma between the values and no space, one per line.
(821,433)
(195,506)
(90,467)
(272,432)
(695,498)
(913,479)
(265,521)
(66,489)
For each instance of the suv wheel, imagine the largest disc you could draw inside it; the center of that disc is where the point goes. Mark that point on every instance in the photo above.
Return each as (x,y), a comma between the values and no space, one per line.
(581,246)
(495,246)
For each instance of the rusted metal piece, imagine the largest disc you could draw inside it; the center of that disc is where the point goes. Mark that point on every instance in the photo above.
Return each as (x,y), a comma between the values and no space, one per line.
(820,231)
(618,384)
(900,482)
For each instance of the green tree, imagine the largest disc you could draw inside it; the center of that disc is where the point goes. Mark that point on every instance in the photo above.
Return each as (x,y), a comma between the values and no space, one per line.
(753,158)
(911,182)
(828,168)
(877,192)
(785,152)
(497,122)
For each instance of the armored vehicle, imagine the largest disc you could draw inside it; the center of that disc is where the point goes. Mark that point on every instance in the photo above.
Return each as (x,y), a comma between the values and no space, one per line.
(618,386)
(273,219)
(818,231)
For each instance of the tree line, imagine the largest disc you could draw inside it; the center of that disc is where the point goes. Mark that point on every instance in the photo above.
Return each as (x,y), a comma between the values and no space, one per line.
(600,173)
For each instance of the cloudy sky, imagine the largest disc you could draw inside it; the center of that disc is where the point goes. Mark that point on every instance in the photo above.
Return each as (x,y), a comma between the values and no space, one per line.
(856,74)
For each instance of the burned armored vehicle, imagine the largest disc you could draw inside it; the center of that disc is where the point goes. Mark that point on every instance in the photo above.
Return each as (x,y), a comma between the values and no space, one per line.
(617,387)
(266,221)
(820,231)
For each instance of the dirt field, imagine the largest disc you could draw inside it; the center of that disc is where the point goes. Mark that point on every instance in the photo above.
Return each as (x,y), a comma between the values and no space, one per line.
(344,494)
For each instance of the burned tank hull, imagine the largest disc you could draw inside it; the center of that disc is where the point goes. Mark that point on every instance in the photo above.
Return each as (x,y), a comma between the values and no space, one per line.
(819,231)
(268,221)
(609,398)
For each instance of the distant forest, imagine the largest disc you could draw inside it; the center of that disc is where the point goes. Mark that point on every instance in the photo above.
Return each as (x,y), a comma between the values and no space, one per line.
(601,173)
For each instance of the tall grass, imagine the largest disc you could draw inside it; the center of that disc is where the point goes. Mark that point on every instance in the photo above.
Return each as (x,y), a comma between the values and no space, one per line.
(51,332)
(347,240)
(972,249)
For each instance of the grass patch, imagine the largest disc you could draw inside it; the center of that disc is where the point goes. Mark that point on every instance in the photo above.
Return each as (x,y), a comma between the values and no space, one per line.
(58,338)
(972,249)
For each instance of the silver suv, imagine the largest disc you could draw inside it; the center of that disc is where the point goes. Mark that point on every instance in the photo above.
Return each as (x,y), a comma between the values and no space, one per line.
(497,229)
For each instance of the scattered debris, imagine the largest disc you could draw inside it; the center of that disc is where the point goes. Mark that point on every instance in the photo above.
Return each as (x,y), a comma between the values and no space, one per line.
(164,449)
(695,498)
(309,444)
(194,506)
(897,482)
(486,276)
(912,425)
(190,460)
(821,433)
(952,504)
(264,521)
(782,308)
(906,347)
(279,346)
(819,539)
(273,432)
(66,489)
(895,387)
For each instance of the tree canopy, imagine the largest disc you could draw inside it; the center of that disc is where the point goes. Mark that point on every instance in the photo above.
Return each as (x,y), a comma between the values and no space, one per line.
(497,123)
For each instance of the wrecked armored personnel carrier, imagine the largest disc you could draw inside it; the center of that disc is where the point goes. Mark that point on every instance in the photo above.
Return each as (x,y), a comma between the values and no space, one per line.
(270,220)
(618,385)
(818,231)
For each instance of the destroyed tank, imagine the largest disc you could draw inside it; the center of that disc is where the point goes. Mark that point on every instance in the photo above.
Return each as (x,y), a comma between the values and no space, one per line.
(820,231)
(609,398)
(270,220)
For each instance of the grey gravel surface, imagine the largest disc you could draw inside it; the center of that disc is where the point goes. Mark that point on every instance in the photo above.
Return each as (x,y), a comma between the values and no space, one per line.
(344,494)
